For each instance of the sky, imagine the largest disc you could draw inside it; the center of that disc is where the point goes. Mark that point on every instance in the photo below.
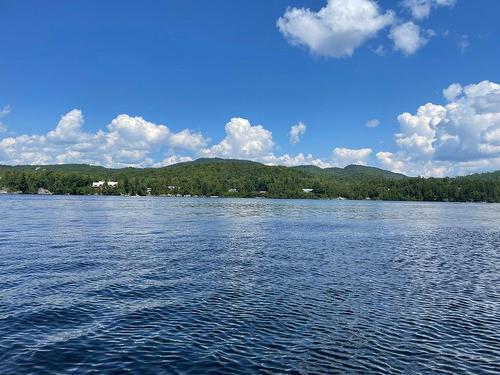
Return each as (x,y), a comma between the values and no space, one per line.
(412,86)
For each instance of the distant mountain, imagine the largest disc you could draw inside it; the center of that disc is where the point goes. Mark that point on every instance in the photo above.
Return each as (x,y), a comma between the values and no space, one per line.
(213,161)
(352,171)
(242,178)
(60,168)
(488,176)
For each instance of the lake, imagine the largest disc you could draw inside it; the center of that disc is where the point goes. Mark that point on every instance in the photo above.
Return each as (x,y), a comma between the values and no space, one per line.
(157,285)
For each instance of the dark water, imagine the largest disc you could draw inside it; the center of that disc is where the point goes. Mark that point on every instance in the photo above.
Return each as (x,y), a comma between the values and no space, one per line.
(158,285)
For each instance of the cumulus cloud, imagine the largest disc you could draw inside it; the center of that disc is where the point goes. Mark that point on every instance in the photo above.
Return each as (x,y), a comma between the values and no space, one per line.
(337,29)
(127,141)
(133,141)
(242,141)
(296,131)
(452,92)
(422,8)
(407,38)
(254,142)
(460,137)
(187,140)
(345,156)
(372,123)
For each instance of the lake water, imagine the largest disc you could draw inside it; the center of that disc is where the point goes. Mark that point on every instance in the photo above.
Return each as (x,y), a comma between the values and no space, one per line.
(222,286)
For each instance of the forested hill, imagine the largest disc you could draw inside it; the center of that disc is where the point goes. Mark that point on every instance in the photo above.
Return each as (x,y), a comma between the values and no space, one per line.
(238,178)
(360,171)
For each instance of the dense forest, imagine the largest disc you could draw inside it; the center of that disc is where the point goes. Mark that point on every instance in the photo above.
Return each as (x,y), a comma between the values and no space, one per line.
(237,178)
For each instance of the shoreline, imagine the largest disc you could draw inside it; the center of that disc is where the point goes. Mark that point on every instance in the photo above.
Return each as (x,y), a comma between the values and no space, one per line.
(239,197)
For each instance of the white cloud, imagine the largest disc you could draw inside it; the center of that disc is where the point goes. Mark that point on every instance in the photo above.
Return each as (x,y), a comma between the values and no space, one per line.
(294,160)
(389,161)
(452,91)
(4,112)
(254,142)
(345,156)
(136,131)
(337,29)
(422,8)
(134,141)
(380,50)
(68,130)
(372,123)
(407,38)
(242,141)
(128,141)
(460,137)
(296,131)
(463,44)
(187,140)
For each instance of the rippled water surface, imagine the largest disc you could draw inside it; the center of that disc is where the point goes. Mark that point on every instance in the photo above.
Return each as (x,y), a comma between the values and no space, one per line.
(164,285)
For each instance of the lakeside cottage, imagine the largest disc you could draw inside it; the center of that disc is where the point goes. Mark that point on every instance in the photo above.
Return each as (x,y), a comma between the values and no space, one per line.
(307,190)
(102,183)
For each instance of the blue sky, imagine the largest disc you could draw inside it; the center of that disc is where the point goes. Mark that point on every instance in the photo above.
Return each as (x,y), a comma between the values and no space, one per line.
(69,69)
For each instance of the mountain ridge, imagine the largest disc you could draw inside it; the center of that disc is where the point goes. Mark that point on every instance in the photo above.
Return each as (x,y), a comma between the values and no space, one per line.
(351,170)
(241,178)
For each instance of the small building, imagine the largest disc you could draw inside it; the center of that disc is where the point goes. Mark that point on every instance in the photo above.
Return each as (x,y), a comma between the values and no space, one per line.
(43,191)
(307,190)
(112,184)
(263,192)
(171,187)
(148,191)
(232,191)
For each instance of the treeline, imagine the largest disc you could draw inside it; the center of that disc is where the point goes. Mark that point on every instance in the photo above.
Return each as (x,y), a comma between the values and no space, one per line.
(247,179)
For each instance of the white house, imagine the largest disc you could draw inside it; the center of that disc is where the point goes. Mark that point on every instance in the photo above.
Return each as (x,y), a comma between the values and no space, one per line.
(307,190)
(102,183)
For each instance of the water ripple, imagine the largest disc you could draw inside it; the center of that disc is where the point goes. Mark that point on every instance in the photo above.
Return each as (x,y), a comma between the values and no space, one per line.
(189,286)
